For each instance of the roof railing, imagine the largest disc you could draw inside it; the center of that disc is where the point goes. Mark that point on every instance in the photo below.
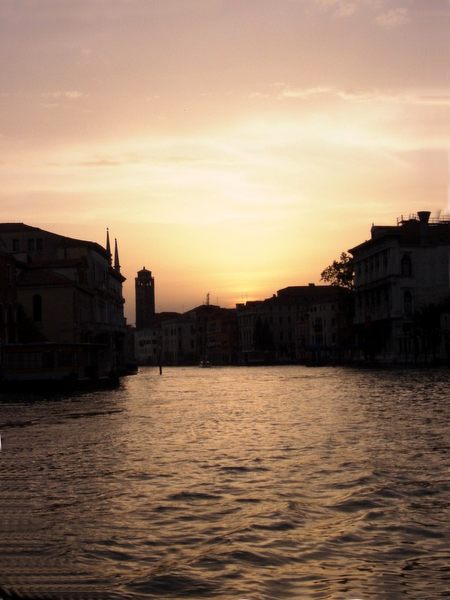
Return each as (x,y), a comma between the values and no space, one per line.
(441,218)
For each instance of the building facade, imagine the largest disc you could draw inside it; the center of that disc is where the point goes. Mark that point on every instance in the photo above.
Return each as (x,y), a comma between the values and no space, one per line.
(67,291)
(289,326)
(9,308)
(402,282)
(207,333)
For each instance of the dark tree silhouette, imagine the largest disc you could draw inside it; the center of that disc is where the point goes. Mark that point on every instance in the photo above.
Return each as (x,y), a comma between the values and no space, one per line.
(340,272)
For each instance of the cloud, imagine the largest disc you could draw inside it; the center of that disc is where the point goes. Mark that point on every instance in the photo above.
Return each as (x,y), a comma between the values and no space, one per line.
(64,94)
(341,8)
(435,98)
(303,93)
(388,18)
(344,8)
(393,18)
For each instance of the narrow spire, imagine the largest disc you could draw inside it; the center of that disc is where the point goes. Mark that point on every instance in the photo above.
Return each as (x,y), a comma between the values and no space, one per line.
(108,245)
(116,256)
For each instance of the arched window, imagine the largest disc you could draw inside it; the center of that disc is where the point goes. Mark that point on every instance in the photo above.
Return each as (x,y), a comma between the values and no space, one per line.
(37,307)
(408,303)
(406,266)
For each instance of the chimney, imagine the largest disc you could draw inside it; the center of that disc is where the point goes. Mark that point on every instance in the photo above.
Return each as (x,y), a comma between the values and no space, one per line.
(424,216)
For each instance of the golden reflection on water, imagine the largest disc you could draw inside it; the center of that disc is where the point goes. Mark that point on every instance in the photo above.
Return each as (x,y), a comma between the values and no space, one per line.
(236,482)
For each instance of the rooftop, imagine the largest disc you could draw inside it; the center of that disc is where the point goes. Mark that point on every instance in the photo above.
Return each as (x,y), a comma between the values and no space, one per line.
(417,229)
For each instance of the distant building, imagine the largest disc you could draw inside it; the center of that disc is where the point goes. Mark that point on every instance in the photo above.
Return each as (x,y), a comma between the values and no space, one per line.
(179,340)
(147,345)
(284,327)
(402,284)
(206,333)
(324,331)
(145,299)
(148,349)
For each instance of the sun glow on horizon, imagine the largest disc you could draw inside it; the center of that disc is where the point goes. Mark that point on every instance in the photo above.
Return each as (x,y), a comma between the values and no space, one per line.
(238,168)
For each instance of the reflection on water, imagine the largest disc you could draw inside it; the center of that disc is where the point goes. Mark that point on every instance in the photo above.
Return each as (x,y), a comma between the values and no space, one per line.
(260,483)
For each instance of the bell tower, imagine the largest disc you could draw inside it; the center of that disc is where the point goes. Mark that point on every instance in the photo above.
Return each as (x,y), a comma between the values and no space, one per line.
(145,299)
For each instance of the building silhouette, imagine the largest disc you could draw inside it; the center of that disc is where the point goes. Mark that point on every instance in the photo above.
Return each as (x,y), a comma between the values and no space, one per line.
(64,296)
(145,299)
(302,323)
(402,290)
(205,333)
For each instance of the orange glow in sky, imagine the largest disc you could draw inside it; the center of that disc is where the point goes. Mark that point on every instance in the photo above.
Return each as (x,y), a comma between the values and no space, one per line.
(232,147)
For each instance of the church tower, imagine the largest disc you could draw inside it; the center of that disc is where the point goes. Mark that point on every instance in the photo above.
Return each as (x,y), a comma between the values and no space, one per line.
(145,299)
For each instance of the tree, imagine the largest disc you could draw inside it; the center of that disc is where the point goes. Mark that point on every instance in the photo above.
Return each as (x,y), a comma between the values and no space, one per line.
(340,272)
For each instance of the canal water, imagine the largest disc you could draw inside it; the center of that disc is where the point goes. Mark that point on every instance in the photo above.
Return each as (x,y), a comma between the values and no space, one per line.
(230,483)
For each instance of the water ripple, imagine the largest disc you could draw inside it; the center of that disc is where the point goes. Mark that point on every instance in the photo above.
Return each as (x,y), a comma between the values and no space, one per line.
(268,483)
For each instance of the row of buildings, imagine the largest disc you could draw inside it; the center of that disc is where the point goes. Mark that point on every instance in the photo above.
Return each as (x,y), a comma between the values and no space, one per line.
(298,324)
(62,309)
(395,310)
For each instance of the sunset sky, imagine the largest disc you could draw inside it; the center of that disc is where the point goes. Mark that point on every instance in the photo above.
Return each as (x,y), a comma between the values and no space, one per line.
(232,146)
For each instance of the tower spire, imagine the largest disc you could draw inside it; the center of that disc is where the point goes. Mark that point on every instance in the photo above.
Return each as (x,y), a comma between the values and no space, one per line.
(116,256)
(108,245)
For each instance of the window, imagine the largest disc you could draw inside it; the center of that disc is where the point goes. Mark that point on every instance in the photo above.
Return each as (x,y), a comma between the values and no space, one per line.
(15,245)
(406,266)
(48,360)
(37,308)
(408,303)
(31,245)
(39,244)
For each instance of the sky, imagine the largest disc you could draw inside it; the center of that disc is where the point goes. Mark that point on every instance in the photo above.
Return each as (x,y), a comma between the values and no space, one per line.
(233,147)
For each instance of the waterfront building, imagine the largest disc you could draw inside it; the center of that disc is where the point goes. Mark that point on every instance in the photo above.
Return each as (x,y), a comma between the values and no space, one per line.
(401,287)
(204,333)
(147,344)
(148,341)
(179,340)
(280,328)
(145,299)
(324,328)
(68,292)
(9,309)
(255,335)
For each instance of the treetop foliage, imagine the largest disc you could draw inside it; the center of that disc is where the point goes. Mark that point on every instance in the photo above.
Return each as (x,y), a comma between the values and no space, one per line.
(340,272)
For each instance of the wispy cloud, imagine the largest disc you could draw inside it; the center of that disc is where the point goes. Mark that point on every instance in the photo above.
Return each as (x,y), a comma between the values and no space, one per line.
(393,18)
(378,10)
(348,8)
(414,98)
(63,95)
(340,8)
